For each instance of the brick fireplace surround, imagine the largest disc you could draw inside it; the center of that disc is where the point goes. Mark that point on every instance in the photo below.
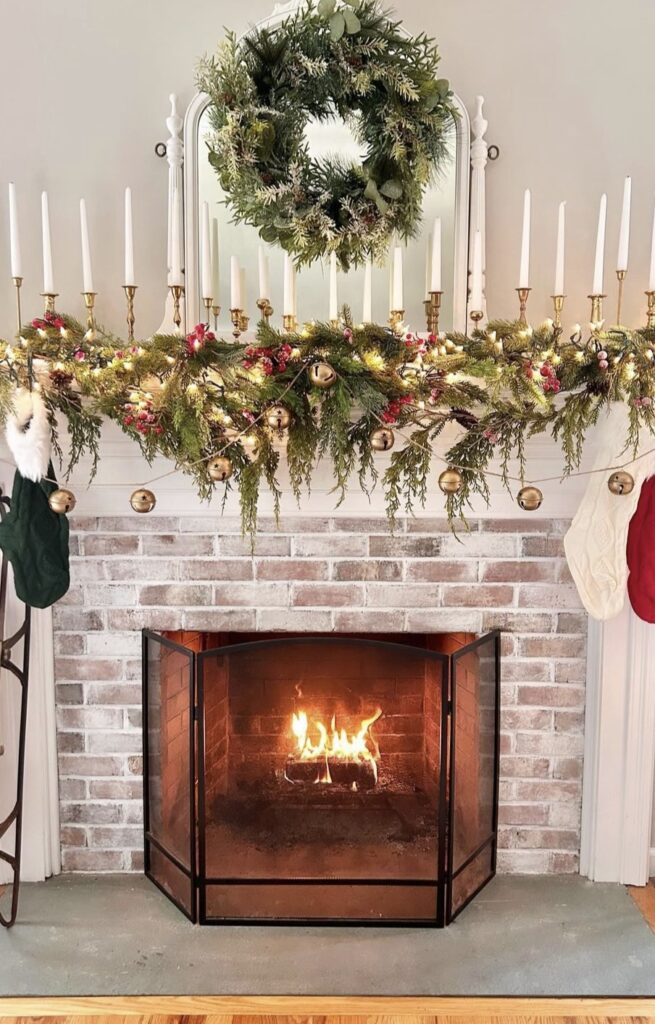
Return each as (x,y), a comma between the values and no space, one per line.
(319,575)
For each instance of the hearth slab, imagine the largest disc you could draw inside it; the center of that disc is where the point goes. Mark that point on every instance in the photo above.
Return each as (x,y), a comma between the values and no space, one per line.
(117,935)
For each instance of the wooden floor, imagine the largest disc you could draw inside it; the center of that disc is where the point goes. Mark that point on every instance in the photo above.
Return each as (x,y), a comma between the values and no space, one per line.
(644,897)
(324,1010)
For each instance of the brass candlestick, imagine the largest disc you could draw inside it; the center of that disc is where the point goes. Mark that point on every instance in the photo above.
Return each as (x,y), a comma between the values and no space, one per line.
(177,291)
(17,285)
(290,323)
(265,308)
(650,310)
(236,316)
(476,316)
(523,294)
(243,322)
(130,292)
(49,301)
(396,317)
(89,302)
(596,308)
(620,276)
(432,309)
(207,303)
(558,305)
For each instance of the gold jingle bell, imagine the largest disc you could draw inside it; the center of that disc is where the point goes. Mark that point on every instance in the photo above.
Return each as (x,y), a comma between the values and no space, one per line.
(278,417)
(62,501)
(529,498)
(143,500)
(450,481)
(382,439)
(220,468)
(322,375)
(621,482)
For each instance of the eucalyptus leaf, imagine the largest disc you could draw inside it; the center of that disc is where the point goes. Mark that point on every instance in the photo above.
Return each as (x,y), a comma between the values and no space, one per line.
(353,24)
(337,26)
(269,234)
(392,189)
(443,87)
(354,3)
(326,8)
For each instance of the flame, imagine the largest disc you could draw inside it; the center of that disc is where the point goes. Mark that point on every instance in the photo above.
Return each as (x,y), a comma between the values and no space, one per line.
(334,743)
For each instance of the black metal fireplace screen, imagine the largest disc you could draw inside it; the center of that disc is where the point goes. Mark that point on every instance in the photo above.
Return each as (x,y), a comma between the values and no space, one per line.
(321,779)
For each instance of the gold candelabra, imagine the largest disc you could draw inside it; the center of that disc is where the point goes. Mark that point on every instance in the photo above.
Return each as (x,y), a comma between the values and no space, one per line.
(236,316)
(432,310)
(216,312)
(596,307)
(207,303)
(476,316)
(558,306)
(650,310)
(265,308)
(18,281)
(396,317)
(177,291)
(523,294)
(49,301)
(290,323)
(89,302)
(130,292)
(620,276)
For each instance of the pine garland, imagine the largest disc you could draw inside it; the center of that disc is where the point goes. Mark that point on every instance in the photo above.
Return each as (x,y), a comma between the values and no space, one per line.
(190,398)
(347,59)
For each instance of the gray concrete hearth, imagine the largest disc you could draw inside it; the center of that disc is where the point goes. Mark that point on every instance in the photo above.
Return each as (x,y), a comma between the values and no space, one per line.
(106,935)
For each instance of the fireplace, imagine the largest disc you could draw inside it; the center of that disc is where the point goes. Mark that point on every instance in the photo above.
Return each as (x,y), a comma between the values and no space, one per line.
(341,779)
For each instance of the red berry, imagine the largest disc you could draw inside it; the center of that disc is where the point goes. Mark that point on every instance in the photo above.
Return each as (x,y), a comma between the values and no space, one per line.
(545,371)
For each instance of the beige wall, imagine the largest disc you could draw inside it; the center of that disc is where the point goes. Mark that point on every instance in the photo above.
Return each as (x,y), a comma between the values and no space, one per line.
(83,94)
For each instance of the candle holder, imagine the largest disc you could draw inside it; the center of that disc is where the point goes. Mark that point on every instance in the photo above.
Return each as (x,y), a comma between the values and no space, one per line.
(89,302)
(265,308)
(523,294)
(620,276)
(476,316)
(130,292)
(335,323)
(596,307)
(558,306)
(650,311)
(177,291)
(216,312)
(49,301)
(236,316)
(207,303)
(18,281)
(243,322)
(396,317)
(432,309)
(290,323)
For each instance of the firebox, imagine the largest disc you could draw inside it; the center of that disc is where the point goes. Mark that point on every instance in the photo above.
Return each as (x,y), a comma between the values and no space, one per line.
(340,779)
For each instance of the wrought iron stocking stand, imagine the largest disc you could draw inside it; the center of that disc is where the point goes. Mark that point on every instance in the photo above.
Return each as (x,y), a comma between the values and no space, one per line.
(15,816)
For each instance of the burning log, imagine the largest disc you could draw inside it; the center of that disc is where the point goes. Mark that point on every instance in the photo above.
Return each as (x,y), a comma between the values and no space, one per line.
(305,772)
(356,775)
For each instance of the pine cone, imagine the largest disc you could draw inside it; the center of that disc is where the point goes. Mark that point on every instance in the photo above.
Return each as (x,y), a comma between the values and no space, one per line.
(465,418)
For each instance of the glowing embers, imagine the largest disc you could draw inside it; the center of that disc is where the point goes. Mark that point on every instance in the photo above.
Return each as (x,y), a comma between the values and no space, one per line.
(332,756)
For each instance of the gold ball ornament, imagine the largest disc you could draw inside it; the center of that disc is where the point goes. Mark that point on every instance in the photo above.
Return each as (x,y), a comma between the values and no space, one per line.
(450,481)
(621,482)
(382,439)
(220,468)
(278,417)
(322,375)
(143,500)
(62,501)
(529,498)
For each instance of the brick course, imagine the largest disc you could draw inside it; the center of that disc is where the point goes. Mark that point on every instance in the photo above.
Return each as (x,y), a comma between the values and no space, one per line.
(313,574)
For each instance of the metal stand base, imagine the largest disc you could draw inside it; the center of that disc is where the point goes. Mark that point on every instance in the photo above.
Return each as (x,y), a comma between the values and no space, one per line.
(15,816)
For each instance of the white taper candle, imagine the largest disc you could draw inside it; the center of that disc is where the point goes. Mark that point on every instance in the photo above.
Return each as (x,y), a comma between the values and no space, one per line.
(288,297)
(215,264)
(264,277)
(176,241)
(14,237)
(435,260)
(524,272)
(624,232)
(205,254)
(367,304)
(559,255)
(48,276)
(244,288)
(87,273)
(397,298)
(235,284)
(651,275)
(129,240)
(597,286)
(476,274)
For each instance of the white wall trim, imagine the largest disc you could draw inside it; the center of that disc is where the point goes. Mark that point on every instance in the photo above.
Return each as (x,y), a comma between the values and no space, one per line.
(619,751)
(652,862)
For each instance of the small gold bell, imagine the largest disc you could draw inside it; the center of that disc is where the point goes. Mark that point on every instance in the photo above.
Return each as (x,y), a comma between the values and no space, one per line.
(322,375)
(220,468)
(62,501)
(382,439)
(621,482)
(278,417)
(450,481)
(143,500)
(529,498)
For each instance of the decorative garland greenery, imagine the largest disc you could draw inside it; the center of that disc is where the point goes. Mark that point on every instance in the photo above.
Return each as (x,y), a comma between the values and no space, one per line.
(192,398)
(348,59)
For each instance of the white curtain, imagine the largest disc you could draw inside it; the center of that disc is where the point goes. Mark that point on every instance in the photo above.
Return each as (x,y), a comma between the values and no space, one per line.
(41,853)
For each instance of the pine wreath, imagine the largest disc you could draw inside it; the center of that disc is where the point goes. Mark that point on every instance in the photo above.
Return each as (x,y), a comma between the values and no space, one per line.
(340,57)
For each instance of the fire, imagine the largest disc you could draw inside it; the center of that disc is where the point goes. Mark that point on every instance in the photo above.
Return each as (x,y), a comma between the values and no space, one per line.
(331,750)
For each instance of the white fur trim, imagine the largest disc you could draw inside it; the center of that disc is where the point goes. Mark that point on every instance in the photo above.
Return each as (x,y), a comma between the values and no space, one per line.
(28,434)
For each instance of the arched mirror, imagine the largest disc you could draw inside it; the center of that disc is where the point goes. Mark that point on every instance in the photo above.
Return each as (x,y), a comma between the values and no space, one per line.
(447,198)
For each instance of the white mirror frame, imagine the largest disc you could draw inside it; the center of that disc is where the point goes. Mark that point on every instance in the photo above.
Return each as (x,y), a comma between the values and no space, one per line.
(471,160)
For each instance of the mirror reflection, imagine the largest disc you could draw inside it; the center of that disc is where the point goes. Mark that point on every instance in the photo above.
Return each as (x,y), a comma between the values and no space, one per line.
(332,137)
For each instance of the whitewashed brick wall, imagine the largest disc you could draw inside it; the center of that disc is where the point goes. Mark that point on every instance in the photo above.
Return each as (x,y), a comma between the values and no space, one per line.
(318,574)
